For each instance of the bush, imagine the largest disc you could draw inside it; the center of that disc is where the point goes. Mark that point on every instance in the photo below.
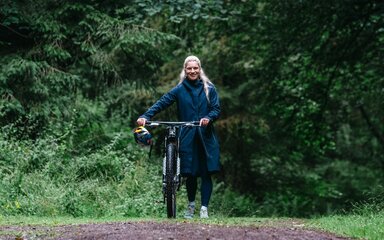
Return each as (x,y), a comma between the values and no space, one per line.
(42,178)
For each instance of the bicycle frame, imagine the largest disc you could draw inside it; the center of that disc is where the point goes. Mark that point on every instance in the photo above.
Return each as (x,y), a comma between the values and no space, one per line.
(171,161)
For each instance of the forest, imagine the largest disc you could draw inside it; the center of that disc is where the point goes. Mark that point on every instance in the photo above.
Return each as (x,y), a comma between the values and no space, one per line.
(301,87)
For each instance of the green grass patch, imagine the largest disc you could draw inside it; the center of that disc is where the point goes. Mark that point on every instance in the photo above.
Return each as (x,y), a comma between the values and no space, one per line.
(367,226)
(68,220)
(61,220)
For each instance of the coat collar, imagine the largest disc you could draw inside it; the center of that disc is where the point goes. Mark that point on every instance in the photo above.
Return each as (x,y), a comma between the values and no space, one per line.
(191,85)
(194,91)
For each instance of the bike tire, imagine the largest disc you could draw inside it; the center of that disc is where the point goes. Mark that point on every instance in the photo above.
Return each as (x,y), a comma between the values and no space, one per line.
(170,190)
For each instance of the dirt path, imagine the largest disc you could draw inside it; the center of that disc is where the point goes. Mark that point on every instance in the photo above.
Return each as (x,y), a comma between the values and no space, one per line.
(160,230)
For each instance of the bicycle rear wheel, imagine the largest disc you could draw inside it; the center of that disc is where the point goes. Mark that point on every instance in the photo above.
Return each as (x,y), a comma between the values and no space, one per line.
(170,189)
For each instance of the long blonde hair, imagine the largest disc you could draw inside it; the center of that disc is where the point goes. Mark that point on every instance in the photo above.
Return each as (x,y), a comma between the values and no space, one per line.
(203,77)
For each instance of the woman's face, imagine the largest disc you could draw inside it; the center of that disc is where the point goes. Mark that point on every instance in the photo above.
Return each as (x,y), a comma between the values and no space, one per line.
(192,70)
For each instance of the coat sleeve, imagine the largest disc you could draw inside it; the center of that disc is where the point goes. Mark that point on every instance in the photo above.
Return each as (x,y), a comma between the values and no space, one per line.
(214,105)
(165,101)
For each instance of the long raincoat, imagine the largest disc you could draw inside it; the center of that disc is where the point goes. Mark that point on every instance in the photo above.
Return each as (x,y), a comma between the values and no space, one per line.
(192,105)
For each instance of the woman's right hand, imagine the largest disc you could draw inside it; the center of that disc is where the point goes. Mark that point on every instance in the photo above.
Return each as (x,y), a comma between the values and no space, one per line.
(141,121)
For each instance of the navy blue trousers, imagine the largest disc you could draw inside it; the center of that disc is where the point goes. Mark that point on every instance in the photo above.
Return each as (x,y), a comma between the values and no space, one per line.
(199,169)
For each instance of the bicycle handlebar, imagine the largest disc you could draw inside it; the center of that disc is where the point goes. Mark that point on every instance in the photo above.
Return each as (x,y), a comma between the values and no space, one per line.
(187,124)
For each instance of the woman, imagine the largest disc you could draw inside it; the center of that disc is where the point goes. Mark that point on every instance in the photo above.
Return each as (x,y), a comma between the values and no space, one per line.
(197,100)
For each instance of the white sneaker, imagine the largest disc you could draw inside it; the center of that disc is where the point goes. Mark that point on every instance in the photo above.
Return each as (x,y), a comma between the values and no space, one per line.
(190,212)
(204,212)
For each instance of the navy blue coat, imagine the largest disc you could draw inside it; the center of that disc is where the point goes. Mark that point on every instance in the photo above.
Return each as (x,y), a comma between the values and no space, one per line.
(192,105)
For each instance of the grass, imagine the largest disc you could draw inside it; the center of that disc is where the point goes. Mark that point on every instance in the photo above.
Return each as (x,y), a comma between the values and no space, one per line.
(367,226)
(56,221)
(68,220)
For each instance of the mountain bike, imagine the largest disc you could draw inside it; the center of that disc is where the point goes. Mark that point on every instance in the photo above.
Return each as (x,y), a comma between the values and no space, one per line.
(171,161)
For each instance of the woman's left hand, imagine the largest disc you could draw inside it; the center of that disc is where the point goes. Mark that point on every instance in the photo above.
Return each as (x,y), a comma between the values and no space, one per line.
(204,122)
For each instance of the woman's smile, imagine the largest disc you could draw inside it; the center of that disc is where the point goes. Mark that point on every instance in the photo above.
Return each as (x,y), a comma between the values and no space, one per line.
(192,70)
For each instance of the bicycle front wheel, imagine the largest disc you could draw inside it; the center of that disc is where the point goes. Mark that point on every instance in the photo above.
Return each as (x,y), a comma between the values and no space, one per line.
(170,189)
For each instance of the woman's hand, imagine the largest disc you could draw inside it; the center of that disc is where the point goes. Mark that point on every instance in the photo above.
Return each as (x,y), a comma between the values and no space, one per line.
(141,121)
(204,122)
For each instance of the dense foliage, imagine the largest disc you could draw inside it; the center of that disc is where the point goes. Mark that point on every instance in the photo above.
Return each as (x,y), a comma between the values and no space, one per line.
(301,86)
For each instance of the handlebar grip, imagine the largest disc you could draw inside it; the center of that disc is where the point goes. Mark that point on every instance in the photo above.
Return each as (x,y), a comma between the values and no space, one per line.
(194,123)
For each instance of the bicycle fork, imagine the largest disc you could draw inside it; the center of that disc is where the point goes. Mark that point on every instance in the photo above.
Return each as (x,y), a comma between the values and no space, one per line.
(164,179)
(176,179)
